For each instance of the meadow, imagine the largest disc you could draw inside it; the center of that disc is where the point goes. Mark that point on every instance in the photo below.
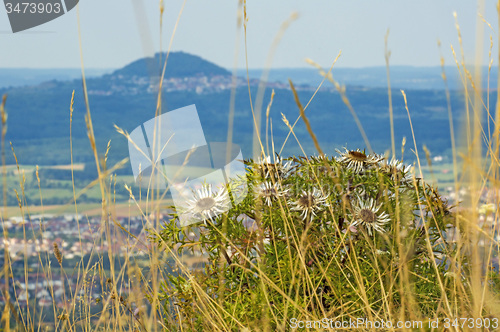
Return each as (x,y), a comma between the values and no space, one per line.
(354,240)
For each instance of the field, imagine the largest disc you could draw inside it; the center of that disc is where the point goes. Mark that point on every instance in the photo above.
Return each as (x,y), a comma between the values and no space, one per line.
(355,240)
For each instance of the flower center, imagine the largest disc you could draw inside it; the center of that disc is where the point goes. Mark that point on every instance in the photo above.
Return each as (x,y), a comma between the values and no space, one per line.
(270,192)
(368,216)
(206,203)
(358,156)
(307,201)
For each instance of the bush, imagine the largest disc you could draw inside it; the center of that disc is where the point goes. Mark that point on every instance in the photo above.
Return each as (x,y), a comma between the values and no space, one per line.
(317,237)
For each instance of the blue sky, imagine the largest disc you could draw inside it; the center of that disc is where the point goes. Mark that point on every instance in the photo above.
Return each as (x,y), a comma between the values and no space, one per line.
(116,32)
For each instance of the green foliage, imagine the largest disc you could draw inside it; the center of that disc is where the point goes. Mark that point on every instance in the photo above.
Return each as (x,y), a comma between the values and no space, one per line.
(180,64)
(315,237)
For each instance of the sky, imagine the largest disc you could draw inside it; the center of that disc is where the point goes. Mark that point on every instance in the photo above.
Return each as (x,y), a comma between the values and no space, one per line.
(117,32)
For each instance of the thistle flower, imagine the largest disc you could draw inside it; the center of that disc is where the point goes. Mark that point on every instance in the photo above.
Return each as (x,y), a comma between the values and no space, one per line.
(206,204)
(270,192)
(268,168)
(357,160)
(366,213)
(397,170)
(309,202)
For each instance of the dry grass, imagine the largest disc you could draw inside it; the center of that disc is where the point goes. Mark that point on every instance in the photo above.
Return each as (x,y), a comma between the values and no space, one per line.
(132,291)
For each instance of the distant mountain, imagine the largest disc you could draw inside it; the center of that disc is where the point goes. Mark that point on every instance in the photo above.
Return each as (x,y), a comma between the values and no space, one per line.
(39,117)
(179,64)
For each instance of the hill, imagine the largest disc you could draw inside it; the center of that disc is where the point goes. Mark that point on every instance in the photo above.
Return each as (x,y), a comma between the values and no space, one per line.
(179,64)
(38,123)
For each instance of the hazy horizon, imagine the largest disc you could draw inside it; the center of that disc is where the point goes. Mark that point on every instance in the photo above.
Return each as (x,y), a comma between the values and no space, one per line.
(402,77)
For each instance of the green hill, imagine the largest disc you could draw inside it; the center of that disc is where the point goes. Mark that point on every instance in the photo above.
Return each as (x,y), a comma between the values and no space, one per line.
(38,123)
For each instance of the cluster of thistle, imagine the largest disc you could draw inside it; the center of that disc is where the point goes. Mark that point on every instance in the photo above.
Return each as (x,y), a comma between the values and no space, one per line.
(272,179)
(339,222)
(352,197)
(350,189)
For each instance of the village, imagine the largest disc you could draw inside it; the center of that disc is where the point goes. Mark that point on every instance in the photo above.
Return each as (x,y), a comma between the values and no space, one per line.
(78,237)
(81,243)
(200,84)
